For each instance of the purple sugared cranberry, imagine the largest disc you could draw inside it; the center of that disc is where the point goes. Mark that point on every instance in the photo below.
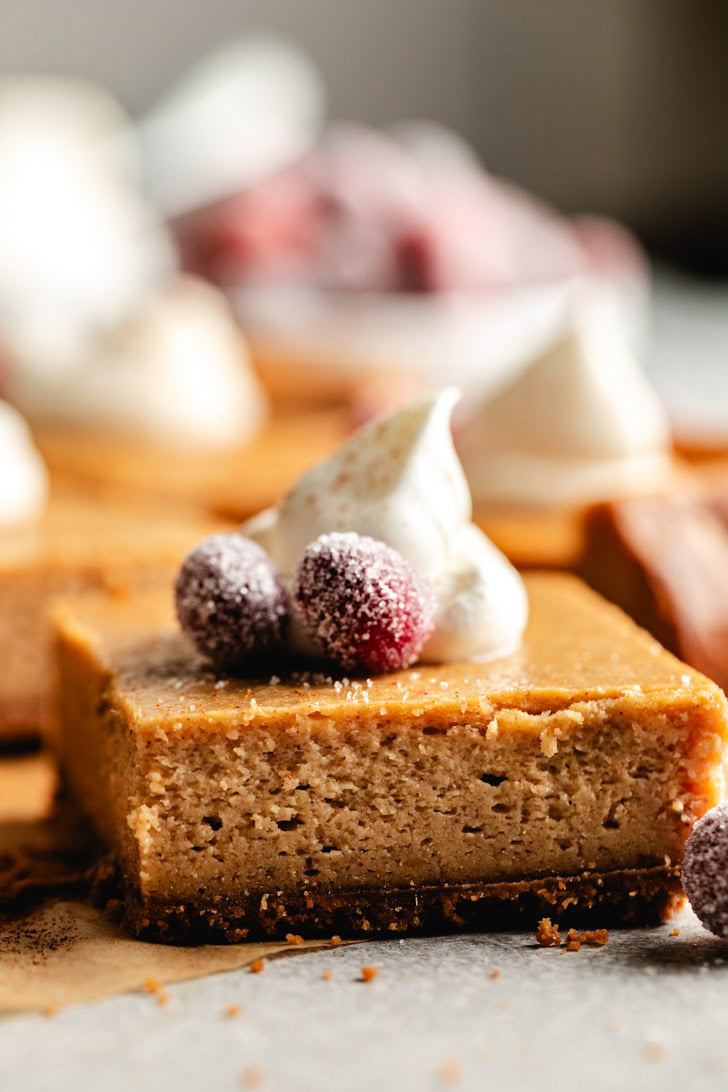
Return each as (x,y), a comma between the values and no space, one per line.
(705,870)
(362,603)
(231,600)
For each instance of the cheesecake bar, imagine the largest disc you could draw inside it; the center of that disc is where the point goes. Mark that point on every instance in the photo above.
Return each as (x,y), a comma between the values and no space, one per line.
(233,483)
(562,780)
(664,560)
(80,542)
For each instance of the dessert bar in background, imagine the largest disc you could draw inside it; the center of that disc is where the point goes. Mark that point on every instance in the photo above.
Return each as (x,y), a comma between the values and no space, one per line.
(62,541)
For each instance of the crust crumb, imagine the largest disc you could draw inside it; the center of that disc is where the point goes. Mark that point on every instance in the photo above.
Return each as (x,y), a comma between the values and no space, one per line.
(154,986)
(257,966)
(293,938)
(655,1051)
(336,940)
(675,933)
(574,940)
(252,1076)
(495,973)
(368,973)
(450,1071)
(232,1011)
(49,1010)
(548,934)
(326,975)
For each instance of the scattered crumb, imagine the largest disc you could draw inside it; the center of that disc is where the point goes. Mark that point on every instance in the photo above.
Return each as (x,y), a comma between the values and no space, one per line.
(450,1071)
(547,934)
(595,937)
(154,986)
(368,973)
(49,1010)
(257,966)
(655,1051)
(232,1011)
(326,975)
(495,973)
(252,1076)
(293,938)
(675,933)
(336,939)
(114,910)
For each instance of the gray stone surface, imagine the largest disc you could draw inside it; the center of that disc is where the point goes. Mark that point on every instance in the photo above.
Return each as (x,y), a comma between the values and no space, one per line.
(647,1011)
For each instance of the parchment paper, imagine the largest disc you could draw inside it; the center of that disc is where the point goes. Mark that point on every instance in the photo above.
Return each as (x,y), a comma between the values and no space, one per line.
(56,947)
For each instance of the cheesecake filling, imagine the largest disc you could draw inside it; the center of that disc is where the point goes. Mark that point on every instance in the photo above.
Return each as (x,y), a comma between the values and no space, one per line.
(23,478)
(580,424)
(398,480)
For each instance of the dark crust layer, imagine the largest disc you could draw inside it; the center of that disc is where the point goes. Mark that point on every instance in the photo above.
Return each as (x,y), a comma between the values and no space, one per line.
(630,897)
(22,727)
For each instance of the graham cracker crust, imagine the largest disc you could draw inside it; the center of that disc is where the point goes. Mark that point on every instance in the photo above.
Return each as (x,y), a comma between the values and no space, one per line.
(627,897)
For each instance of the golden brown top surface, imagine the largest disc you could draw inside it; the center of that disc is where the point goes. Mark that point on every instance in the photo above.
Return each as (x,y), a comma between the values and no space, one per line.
(81,529)
(577,648)
(236,482)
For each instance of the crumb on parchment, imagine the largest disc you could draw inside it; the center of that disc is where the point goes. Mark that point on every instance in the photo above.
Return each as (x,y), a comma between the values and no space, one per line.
(655,1050)
(450,1071)
(574,940)
(257,966)
(154,986)
(368,973)
(252,1076)
(547,934)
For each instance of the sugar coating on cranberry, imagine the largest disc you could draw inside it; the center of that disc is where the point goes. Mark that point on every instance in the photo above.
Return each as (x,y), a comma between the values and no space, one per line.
(362,603)
(231,600)
(705,870)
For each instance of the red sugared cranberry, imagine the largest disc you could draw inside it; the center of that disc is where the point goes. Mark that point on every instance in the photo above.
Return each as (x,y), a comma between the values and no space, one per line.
(705,870)
(362,603)
(231,600)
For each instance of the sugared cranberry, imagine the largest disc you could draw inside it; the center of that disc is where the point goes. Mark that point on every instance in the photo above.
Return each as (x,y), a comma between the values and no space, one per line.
(362,603)
(231,600)
(705,870)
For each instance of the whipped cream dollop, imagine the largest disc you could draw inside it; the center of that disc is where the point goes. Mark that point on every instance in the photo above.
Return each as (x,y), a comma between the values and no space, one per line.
(580,423)
(399,480)
(23,476)
(80,244)
(241,113)
(177,374)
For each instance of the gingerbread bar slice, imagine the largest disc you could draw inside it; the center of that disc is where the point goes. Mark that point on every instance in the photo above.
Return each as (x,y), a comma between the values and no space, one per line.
(562,780)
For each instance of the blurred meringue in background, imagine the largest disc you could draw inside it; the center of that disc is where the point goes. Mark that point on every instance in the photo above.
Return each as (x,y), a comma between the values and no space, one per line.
(80,245)
(99,330)
(361,263)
